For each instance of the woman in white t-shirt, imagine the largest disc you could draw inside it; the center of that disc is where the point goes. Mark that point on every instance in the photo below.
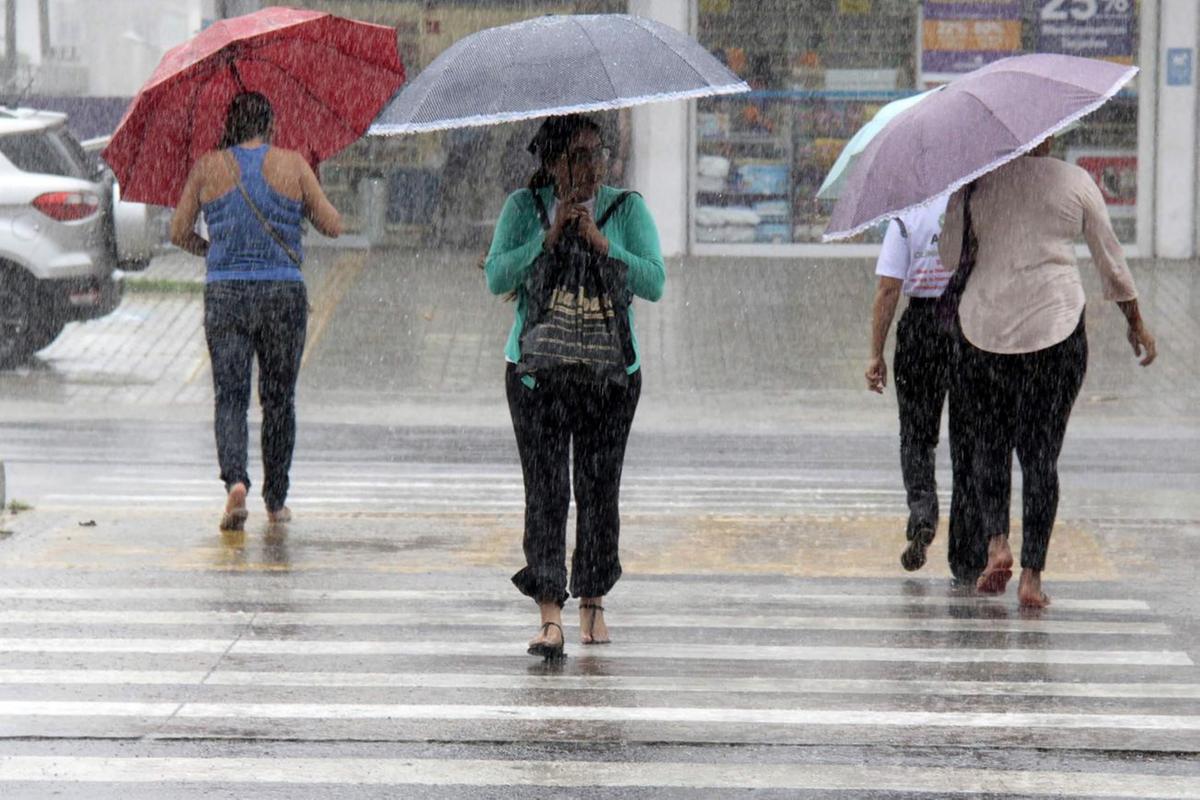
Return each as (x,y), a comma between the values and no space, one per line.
(909,264)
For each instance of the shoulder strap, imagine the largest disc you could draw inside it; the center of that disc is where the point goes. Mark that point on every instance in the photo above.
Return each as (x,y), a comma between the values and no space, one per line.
(613,207)
(262,220)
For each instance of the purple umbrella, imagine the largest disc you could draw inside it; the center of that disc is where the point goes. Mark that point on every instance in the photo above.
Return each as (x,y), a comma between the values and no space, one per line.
(977,123)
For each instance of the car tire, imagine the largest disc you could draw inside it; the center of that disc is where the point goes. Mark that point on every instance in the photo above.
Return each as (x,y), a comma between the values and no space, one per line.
(138,265)
(18,317)
(45,332)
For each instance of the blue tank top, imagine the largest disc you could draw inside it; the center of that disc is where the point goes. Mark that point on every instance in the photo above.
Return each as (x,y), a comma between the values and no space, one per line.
(239,248)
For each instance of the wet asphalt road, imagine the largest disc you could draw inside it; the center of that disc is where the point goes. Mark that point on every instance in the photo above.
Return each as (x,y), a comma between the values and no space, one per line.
(765,638)
(766,642)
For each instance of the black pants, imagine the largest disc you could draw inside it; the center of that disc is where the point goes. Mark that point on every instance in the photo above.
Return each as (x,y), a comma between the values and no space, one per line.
(1022,402)
(267,319)
(567,418)
(925,374)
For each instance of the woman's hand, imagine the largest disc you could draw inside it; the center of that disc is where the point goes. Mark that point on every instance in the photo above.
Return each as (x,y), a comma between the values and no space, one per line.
(563,214)
(876,374)
(1141,340)
(591,235)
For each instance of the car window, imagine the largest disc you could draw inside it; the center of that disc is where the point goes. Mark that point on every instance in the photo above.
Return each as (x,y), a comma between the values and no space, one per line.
(74,151)
(41,153)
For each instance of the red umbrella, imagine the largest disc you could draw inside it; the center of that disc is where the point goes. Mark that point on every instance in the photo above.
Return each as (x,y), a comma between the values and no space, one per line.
(326,77)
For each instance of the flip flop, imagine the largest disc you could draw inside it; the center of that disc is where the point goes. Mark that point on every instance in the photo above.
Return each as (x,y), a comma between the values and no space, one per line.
(547,650)
(234,519)
(994,582)
(1045,598)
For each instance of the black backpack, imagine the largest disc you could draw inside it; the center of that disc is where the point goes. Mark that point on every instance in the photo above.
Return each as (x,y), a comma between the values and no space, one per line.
(577,309)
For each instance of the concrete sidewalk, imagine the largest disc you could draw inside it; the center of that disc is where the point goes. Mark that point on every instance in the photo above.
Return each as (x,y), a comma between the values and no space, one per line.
(414,338)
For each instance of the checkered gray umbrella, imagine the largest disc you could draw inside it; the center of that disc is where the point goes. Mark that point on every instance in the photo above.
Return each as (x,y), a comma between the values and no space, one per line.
(555,65)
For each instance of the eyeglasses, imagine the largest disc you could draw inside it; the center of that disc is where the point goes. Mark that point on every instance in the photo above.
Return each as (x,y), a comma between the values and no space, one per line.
(594,156)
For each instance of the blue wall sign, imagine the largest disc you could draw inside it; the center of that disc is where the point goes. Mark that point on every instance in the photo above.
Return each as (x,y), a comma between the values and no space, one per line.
(1179,66)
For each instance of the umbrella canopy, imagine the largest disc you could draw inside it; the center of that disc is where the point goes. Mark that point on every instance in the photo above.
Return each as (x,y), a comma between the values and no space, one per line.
(975,124)
(831,187)
(556,65)
(325,76)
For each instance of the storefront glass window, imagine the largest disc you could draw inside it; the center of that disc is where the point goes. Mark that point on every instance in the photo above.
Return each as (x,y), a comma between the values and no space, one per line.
(821,68)
(446,189)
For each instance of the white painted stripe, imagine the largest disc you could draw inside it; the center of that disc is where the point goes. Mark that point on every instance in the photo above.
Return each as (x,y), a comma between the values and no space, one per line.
(338,500)
(600,774)
(457,483)
(599,683)
(268,619)
(677,477)
(659,652)
(630,593)
(1016,721)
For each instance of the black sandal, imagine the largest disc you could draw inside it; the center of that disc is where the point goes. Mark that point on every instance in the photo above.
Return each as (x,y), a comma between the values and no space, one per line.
(547,650)
(593,607)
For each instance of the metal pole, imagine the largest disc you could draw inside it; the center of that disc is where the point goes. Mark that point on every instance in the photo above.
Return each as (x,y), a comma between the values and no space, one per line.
(44,28)
(10,39)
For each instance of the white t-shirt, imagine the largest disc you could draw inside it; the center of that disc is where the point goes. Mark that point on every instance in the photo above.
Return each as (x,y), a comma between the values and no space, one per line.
(590,205)
(910,251)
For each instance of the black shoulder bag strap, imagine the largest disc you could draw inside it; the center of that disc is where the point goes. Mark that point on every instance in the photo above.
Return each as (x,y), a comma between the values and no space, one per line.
(613,207)
(947,307)
(262,220)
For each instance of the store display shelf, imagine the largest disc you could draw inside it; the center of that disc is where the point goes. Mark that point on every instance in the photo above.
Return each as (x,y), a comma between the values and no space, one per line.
(740,195)
(746,138)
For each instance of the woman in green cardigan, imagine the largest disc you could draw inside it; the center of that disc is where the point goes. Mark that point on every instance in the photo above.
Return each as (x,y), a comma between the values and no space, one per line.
(561,407)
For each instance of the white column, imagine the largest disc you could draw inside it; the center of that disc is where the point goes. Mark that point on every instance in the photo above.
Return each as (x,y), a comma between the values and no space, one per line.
(1175,187)
(661,142)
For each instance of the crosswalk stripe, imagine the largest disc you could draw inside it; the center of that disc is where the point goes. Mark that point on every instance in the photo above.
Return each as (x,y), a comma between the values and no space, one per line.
(333,472)
(630,592)
(579,713)
(599,774)
(601,683)
(268,619)
(657,652)
(487,484)
(667,502)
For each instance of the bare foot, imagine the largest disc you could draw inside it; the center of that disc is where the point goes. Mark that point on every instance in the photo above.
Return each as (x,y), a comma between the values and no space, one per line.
(234,518)
(1029,590)
(592,629)
(996,575)
(281,514)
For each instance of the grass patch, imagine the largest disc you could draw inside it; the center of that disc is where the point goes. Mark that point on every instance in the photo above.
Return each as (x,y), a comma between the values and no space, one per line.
(16,507)
(163,286)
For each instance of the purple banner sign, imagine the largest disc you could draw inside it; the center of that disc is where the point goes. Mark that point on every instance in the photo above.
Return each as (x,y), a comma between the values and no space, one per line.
(961,35)
(973,9)
(1091,28)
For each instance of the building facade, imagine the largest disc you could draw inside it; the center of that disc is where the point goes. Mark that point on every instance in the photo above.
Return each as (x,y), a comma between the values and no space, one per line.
(819,69)
(734,175)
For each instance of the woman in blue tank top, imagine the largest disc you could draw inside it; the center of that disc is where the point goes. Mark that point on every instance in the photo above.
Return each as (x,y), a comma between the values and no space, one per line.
(255,199)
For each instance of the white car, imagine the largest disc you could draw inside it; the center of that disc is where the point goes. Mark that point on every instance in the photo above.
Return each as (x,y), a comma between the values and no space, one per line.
(64,233)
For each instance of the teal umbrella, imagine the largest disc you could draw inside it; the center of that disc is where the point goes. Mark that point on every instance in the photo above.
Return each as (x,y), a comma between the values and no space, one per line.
(831,189)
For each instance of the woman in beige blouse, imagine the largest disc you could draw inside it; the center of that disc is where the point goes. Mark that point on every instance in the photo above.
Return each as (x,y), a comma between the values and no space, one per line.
(1023,350)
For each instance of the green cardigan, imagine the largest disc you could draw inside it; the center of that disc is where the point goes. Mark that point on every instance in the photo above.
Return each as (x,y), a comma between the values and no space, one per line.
(632,238)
